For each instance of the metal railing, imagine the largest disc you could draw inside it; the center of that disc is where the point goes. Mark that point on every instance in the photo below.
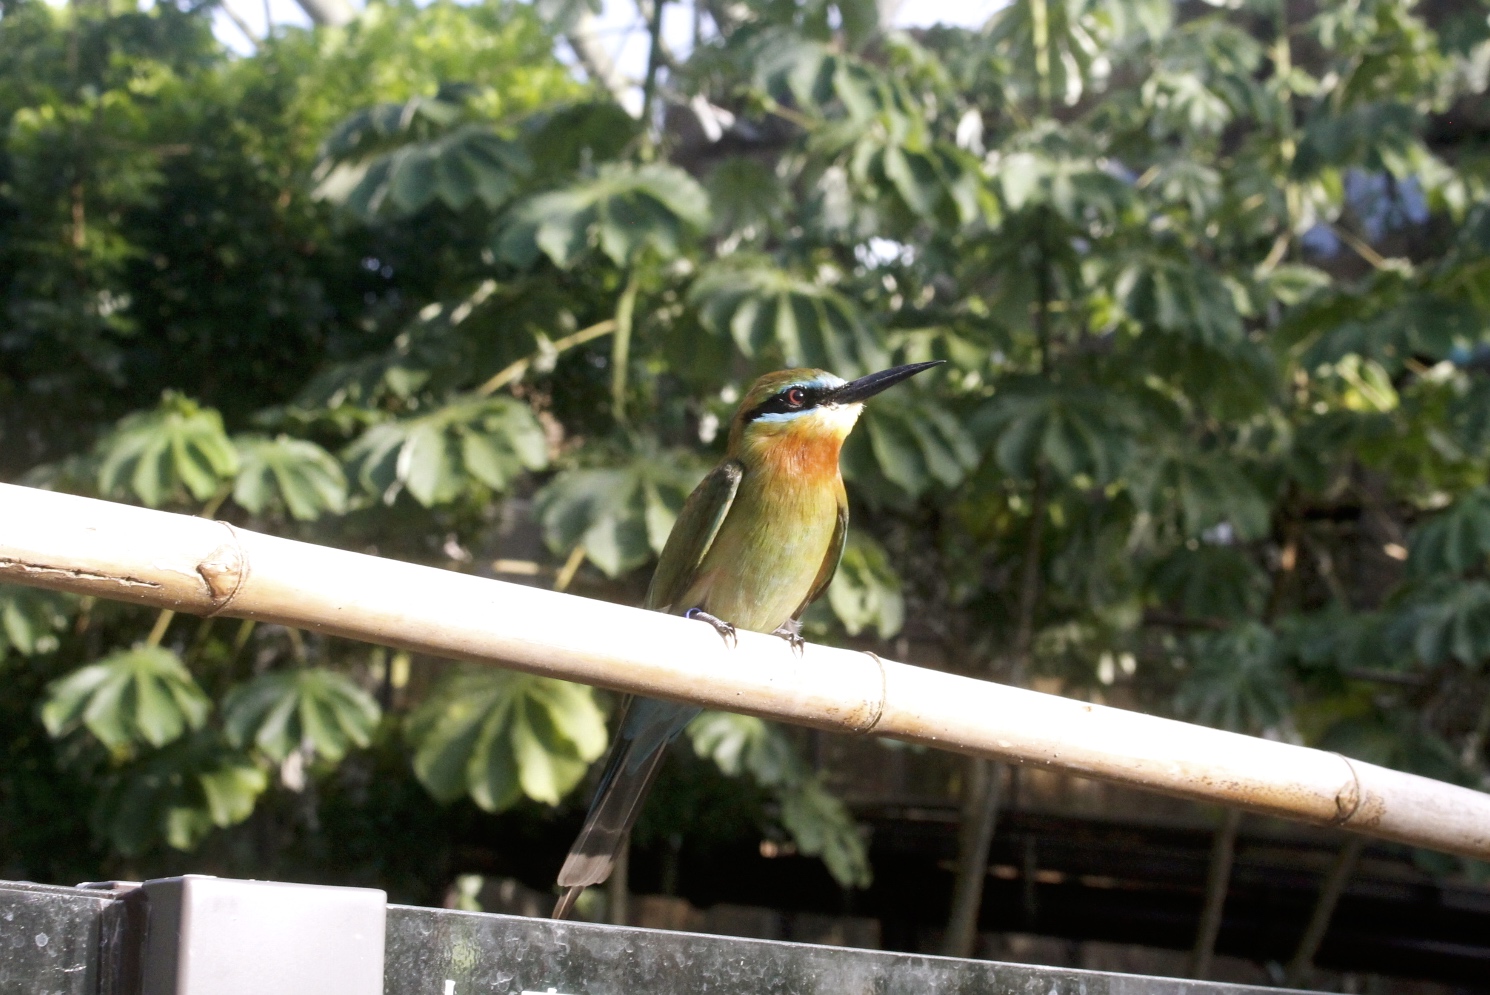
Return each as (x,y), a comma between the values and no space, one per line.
(75,941)
(211,568)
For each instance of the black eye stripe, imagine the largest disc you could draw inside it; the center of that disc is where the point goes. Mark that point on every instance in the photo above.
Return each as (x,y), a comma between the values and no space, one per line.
(778,404)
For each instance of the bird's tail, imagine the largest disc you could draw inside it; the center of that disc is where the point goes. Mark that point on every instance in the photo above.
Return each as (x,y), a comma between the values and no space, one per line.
(646,729)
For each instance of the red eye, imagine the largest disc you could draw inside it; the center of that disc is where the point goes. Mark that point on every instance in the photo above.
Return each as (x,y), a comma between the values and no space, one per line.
(796,397)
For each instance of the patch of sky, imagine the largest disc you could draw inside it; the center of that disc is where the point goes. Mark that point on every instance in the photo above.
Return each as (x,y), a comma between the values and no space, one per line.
(1379,203)
(239,24)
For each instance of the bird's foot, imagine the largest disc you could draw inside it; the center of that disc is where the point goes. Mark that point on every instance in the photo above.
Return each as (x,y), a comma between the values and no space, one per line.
(791,631)
(725,630)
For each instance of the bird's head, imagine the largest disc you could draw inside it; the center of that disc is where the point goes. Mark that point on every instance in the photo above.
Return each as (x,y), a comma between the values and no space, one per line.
(809,409)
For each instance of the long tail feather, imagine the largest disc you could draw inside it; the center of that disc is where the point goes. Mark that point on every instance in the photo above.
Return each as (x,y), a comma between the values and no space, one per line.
(646,729)
(565,904)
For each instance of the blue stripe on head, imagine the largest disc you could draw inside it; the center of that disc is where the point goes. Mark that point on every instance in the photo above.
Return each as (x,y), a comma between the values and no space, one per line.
(777,408)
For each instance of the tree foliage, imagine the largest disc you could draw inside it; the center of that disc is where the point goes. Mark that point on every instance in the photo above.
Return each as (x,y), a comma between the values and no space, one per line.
(1211,285)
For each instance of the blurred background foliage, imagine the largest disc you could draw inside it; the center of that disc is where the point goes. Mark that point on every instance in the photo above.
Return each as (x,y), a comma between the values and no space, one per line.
(1212,282)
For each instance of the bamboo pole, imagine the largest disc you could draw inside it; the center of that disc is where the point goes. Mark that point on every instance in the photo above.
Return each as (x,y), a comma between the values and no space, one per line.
(211,568)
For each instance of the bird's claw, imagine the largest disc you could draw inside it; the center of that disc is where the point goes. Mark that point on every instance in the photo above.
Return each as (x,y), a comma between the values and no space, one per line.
(791,631)
(726,630)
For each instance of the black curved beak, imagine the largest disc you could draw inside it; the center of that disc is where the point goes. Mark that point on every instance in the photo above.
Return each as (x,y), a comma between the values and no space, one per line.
(864,388)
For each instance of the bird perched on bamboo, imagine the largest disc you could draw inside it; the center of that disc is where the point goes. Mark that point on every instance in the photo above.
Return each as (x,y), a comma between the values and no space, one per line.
(757,541)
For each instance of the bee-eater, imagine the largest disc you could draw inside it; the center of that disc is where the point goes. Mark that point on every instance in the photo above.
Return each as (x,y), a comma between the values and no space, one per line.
(756,542)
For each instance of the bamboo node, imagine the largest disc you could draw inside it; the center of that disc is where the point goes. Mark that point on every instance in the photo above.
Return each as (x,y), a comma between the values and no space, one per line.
(223,571)
(879,706)
(1348,797)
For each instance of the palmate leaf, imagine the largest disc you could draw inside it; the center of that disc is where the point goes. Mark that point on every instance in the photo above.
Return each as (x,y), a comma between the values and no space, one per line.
(295,474)
(1237,680)
(620,210)
(911,441)
(1076,432)
(866,589)
(499,736)
(1451,621)
(1056,43)
(569,137)
(1074,186)
(1394,739)
(622,516)
(469,164)
(819,822)
(1469,414)
(1200,491)
(278,713)
(439,456)
(1389,327)
(382,127)
(143,695)
(178,794)
(1180,297)
(30,620)
(176,451)
(768,311)
(1209,582)
(1454,541)
(1190,327)
(874,127)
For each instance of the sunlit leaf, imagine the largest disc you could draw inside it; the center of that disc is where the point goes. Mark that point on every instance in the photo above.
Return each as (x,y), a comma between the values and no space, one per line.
(293,473)
(499,736)
(622,515)
(142,695)
(282,711)
(439,456)
(175,451)
(620,211)
(768,311)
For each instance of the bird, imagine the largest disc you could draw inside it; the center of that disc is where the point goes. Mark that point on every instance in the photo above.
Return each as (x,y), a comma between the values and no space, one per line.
(755,543)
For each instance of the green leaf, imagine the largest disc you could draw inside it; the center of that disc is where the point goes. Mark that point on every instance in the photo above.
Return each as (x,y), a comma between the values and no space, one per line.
(1074,431)
(469,164)
(822,827)
(178,795)
(866,589)
(293,473)
(622,516)
(30,620)
(1452,622)
(278,713)
(573,136)
(1200,491)
(441,455)
(143,695)
(498,735)
(819,823)
(1397,741)
(620,210)
(1454,541)
(176,451)
(1210,582)
(769,312)
(1236,680)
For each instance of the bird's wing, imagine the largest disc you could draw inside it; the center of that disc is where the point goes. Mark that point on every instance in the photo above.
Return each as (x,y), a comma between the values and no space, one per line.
(830,562)
(692,535)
